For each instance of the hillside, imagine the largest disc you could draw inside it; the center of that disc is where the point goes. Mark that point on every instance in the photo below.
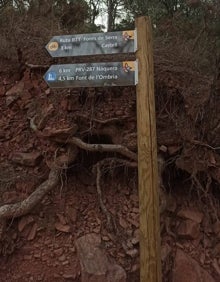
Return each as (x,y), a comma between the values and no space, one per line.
(68,164)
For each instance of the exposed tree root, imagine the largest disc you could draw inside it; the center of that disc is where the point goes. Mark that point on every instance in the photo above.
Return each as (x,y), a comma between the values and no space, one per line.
(110,162)
(18,209)
(88,147)
(22,208)
(103,148)
(111,120)
(31,66)
(111,226)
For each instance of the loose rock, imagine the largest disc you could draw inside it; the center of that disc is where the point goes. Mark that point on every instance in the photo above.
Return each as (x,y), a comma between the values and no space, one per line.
(187,269)
(27,159)
(188,229)
(95,264)
(191,214)
(33,232)
(24,221)
(62,228)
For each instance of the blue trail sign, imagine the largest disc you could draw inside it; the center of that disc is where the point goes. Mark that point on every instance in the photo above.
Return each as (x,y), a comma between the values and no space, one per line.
(92,74)
(92,44)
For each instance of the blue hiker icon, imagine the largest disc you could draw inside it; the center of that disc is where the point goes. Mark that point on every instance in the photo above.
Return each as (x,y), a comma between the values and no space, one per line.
(51,76)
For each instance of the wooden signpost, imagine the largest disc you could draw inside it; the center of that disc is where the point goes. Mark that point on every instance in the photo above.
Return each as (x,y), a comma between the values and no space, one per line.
(122,74)
(150,259)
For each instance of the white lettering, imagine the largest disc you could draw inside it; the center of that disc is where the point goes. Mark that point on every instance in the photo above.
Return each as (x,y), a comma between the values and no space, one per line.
(100,68)
(81,77)
(91,77)
(111,37)
(93,38)
(64,70)
(109,76)
(76,39)
(61,78)
(80,69)
(65,40)
(66,47)
(109,45)
(70,78)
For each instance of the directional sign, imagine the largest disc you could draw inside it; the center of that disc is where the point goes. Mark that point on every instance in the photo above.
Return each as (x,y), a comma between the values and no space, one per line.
(92,75)
(92,44)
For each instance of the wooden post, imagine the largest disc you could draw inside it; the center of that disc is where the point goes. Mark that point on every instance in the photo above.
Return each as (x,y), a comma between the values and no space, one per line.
(150,259)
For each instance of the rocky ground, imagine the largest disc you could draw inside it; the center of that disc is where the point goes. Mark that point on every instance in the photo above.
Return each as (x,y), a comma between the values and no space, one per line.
(66,236)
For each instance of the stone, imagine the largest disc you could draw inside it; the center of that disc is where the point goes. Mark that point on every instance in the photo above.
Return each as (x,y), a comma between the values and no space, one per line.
(134,222)
(32,233)
(163,148)
(37,255)
(105,238)
(135,267)
(134,198)
(96,229)
(47,91)
(135,241)
(72,249)
(132,253)
(71,213)
(64,104)
(95,264)
(62,228)
(24,221)
(187,269)
(27,159)
(69,276)
(28,257)
(192,214)
(136,233)
(123,223)
(58,252)
(119,113)
(14,93)
(115,273)
(62,258)
(136,210)
(62,218)
(188,229)
(172,150)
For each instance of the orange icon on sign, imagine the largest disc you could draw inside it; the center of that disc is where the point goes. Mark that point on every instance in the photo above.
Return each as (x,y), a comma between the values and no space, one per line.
(128,66)
(128,35)
(53,46)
